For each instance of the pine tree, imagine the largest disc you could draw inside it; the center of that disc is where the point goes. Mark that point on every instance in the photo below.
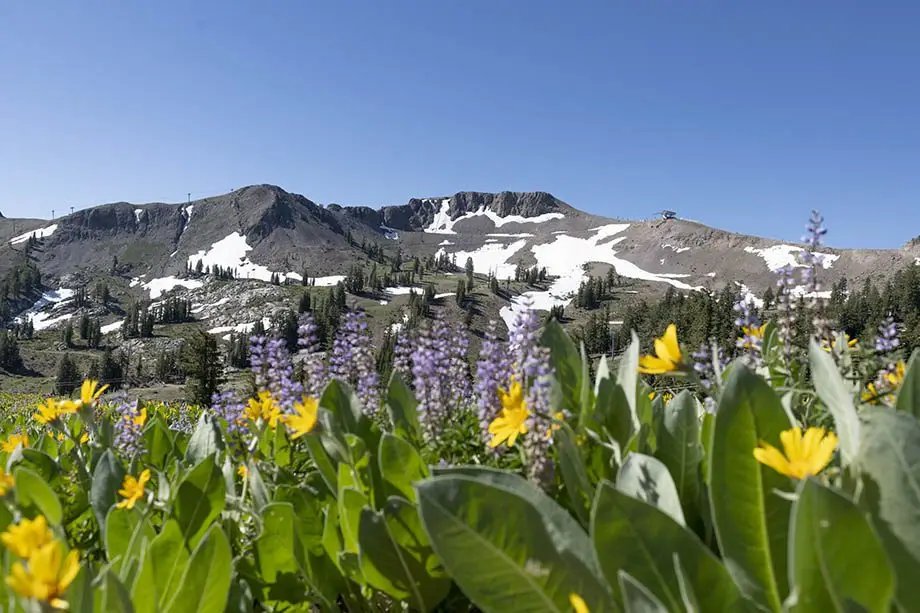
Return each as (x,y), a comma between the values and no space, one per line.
(201,360)
(67,377)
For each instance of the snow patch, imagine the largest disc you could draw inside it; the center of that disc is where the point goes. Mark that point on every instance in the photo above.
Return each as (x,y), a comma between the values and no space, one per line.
(158,287)
(443,224)
(324,281)
(491,257)
(446,242)
(112,327)
(491,240)
(41,315)
(402,290)
(389,232)
(138,213)
(230,252)
(201,307)
(241,328)
(748,296)
(779,256)
(710,274)
(40,233)
(444,295)
(677,249)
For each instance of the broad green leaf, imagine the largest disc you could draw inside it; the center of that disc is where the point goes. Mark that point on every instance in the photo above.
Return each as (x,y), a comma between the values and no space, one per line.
(350,502)
(645,478)
(574,474)
(279,555)
(39,462)
(113,597)
(837,398)
(241,599)
(628,377)
(127,535)
(403,408)
(637,598)
(260,496)
(393,559)
(561,521)
(751,520)
(400,466)
(909,392)
(107,480)
(501,551)
(159,443)
(206,440)
(340,400)
(566,364)
(322,461)
(680,450)
(836,560)
(308,508)
(164,565)
(636,537)
(199,500)
(206,581)
(281,449)
(586,395)
(889,461)
(612,412)
(32,491)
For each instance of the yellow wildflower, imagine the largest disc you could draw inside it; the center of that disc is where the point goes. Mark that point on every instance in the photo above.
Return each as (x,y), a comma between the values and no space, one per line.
(802,455)
(48,412)
(665,397)
(27,536)
(263,407)
(512,420)
(558,418)
(84,437)
(303,419)
(132,489)
(851,342)
(578,603)
(48,575)
(141,418)
(242,471)
(89,393)
(7,482)
(888,381)
(667,358)
(19,438)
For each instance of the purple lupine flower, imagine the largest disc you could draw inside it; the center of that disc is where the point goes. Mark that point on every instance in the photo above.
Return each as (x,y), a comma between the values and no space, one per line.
(786,307)
(182,422)
(352,360)
(314,368)
(493,370)
(887,339)
(811,260)
(126,425)
(751,339)
(703,365)
(228,407)
(440,374)
(402,355)
(273,368)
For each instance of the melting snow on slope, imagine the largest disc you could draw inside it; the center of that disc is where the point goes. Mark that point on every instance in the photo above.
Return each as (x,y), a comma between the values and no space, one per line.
(402,290)
(446,242)
(241,328)
(389,232)
(138,213)
(158,287)
(491,257)
(565,258)
(112,327)
(40,233)
(748,296)
(677,249)
(779,256)
(39,312)
(230,252)
(443,224)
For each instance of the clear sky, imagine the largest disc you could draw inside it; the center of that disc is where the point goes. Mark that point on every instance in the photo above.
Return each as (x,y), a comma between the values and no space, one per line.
(740,114)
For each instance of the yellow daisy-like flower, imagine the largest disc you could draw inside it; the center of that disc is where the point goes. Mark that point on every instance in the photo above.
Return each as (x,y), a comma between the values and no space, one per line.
(242,471)
(7,482)
(263,407)
(27,536)
(132,489)
(303,420)
(19,438)
(802,455)
(888,381)
(665,398)
(749,333)
(578,603)
(667,358)
(84,438)
(90,393)
(558,418)
(47,576)
(851,342)
(141,418)
(512,420)
(49,412)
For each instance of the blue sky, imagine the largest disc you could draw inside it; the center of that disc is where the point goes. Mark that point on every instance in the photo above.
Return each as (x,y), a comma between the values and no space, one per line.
(742,115)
